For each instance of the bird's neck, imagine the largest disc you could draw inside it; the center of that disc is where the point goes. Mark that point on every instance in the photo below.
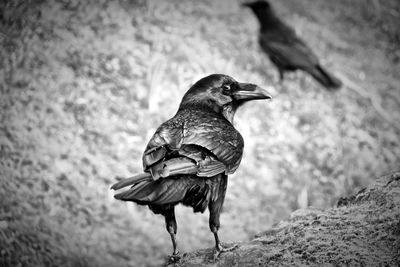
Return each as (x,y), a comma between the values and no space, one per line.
(267,19)
(229,113)
(226,111)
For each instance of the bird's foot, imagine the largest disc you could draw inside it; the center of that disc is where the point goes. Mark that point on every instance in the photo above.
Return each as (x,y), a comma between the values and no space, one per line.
(221,249)
(174,258)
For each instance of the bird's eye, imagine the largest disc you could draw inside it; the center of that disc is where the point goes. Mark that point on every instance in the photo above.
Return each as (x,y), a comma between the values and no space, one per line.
(226,88)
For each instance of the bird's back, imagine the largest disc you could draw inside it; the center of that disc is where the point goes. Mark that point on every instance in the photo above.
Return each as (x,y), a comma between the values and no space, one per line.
(280,41)
(202,128)
(282,44)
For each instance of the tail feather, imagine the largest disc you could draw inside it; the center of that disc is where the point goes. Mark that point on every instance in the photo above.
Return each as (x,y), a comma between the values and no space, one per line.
(191,191)
(198,198)
(163,169)
(325,78)
(161,191)
(132,180)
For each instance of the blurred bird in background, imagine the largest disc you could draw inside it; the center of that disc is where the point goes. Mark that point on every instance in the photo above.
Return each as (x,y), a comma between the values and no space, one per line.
(285,49)
(189,157)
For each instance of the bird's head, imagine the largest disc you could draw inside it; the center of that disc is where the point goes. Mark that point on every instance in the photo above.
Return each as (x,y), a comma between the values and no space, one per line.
(258,5)
(221,94)
(262,9)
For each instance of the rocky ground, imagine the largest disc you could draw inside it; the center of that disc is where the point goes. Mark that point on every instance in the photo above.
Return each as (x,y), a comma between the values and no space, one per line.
(364,230)
(84,84)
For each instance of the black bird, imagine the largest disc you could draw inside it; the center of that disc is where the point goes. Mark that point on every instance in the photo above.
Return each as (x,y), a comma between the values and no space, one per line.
(285,49)
(189,157)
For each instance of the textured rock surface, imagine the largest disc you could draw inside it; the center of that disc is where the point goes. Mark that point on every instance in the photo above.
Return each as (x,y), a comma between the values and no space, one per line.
(363,230)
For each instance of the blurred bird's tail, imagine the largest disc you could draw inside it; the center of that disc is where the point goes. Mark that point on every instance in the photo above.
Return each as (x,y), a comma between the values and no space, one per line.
(325,78)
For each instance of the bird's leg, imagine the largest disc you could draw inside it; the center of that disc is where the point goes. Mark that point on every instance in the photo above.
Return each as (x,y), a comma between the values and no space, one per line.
(171,226)
(218,245)
(215,207)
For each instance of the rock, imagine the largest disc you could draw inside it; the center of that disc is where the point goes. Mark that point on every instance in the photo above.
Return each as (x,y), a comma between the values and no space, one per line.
(363,230)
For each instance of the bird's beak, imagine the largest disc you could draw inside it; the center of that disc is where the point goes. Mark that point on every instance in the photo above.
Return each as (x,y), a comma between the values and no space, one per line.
(248,91)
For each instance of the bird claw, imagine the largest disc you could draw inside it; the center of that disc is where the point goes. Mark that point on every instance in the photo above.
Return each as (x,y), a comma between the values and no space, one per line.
(221,249)
(174,258)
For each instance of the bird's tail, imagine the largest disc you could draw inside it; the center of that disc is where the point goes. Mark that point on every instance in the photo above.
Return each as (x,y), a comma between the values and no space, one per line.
(132,180)
(169,182)
(164,169)
(325,78)
(187,189)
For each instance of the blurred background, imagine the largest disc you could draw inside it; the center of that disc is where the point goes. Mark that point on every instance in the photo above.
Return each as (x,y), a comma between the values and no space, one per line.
(84,85)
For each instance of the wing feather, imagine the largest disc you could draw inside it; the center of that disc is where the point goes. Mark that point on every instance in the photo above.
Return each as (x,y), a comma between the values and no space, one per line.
(212,143)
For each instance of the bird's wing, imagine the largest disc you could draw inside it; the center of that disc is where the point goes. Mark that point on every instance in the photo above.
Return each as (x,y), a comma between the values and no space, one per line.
(221,139)
(204,147)
(167,137)
(290,51)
